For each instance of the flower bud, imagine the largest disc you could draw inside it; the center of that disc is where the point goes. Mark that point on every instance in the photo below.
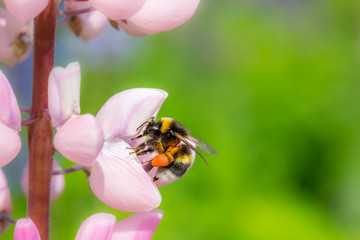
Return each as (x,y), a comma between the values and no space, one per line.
(64,93)
(86,25)
(25,229)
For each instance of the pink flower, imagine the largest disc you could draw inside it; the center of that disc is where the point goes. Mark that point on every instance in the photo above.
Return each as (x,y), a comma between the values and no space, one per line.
(103,226)
(15,39)
(117,177)
(25,229)
(86,25)
(10,123)
(25,10)
(5,201)
(116,10)
(159,15)
(57,182)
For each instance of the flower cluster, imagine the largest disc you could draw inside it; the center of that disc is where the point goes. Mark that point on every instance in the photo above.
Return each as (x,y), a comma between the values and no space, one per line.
(88,18)
(103,144)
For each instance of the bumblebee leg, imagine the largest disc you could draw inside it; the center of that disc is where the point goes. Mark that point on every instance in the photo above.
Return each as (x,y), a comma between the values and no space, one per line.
(147,166)
(143,152)
(159,147)
(138,147)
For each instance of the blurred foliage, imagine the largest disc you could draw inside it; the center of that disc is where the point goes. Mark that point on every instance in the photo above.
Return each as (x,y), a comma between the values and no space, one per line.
(274,87)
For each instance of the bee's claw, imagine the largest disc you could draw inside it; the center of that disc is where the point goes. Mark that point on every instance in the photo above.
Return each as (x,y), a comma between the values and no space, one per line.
(132,148)
(137,137)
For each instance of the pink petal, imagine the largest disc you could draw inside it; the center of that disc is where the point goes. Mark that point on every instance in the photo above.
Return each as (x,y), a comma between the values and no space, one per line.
(117,179)
(5,201)
(99,226)
(162,15)
(137,226)
(64,92)
(25,229)
(131,28)
(25,10)
(87,25)
(124,112)
(11,48)
(115,9)
(9,108)
(57,182)
(10,144)
(15,27)
(4,36)
(80,139)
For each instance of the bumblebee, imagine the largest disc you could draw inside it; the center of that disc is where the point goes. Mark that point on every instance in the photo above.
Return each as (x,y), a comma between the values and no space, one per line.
(174,145)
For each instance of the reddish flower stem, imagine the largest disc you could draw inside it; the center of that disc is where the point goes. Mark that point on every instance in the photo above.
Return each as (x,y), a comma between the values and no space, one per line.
(40,132)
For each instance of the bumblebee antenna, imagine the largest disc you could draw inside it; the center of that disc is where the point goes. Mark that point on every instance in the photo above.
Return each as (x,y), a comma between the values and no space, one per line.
(151,119)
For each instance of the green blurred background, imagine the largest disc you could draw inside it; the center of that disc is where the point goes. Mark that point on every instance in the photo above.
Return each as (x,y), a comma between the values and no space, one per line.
(273,86)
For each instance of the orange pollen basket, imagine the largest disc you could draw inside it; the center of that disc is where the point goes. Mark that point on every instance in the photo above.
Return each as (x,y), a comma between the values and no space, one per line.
(160,160)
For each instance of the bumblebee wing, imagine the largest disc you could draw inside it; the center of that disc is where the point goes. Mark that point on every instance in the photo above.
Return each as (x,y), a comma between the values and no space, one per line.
(188,144)
(202,145)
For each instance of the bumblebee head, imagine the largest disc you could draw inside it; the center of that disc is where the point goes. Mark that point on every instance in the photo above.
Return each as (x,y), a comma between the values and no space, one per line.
(151,129)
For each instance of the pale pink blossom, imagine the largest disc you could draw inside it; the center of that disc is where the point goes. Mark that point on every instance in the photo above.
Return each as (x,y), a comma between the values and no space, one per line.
(5,201)
(86,25)
(25,10)
(103,226)
(158,16)
(98,226)
(15,38)
(64,93)
(116,10)
(25,229)
(10,123)
(117,177)
(57,182)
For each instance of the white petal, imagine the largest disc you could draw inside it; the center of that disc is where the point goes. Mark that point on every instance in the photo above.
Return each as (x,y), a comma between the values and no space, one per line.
(118,179)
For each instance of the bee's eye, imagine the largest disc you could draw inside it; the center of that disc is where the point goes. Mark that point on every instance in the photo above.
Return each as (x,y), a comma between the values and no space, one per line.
(155,128)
